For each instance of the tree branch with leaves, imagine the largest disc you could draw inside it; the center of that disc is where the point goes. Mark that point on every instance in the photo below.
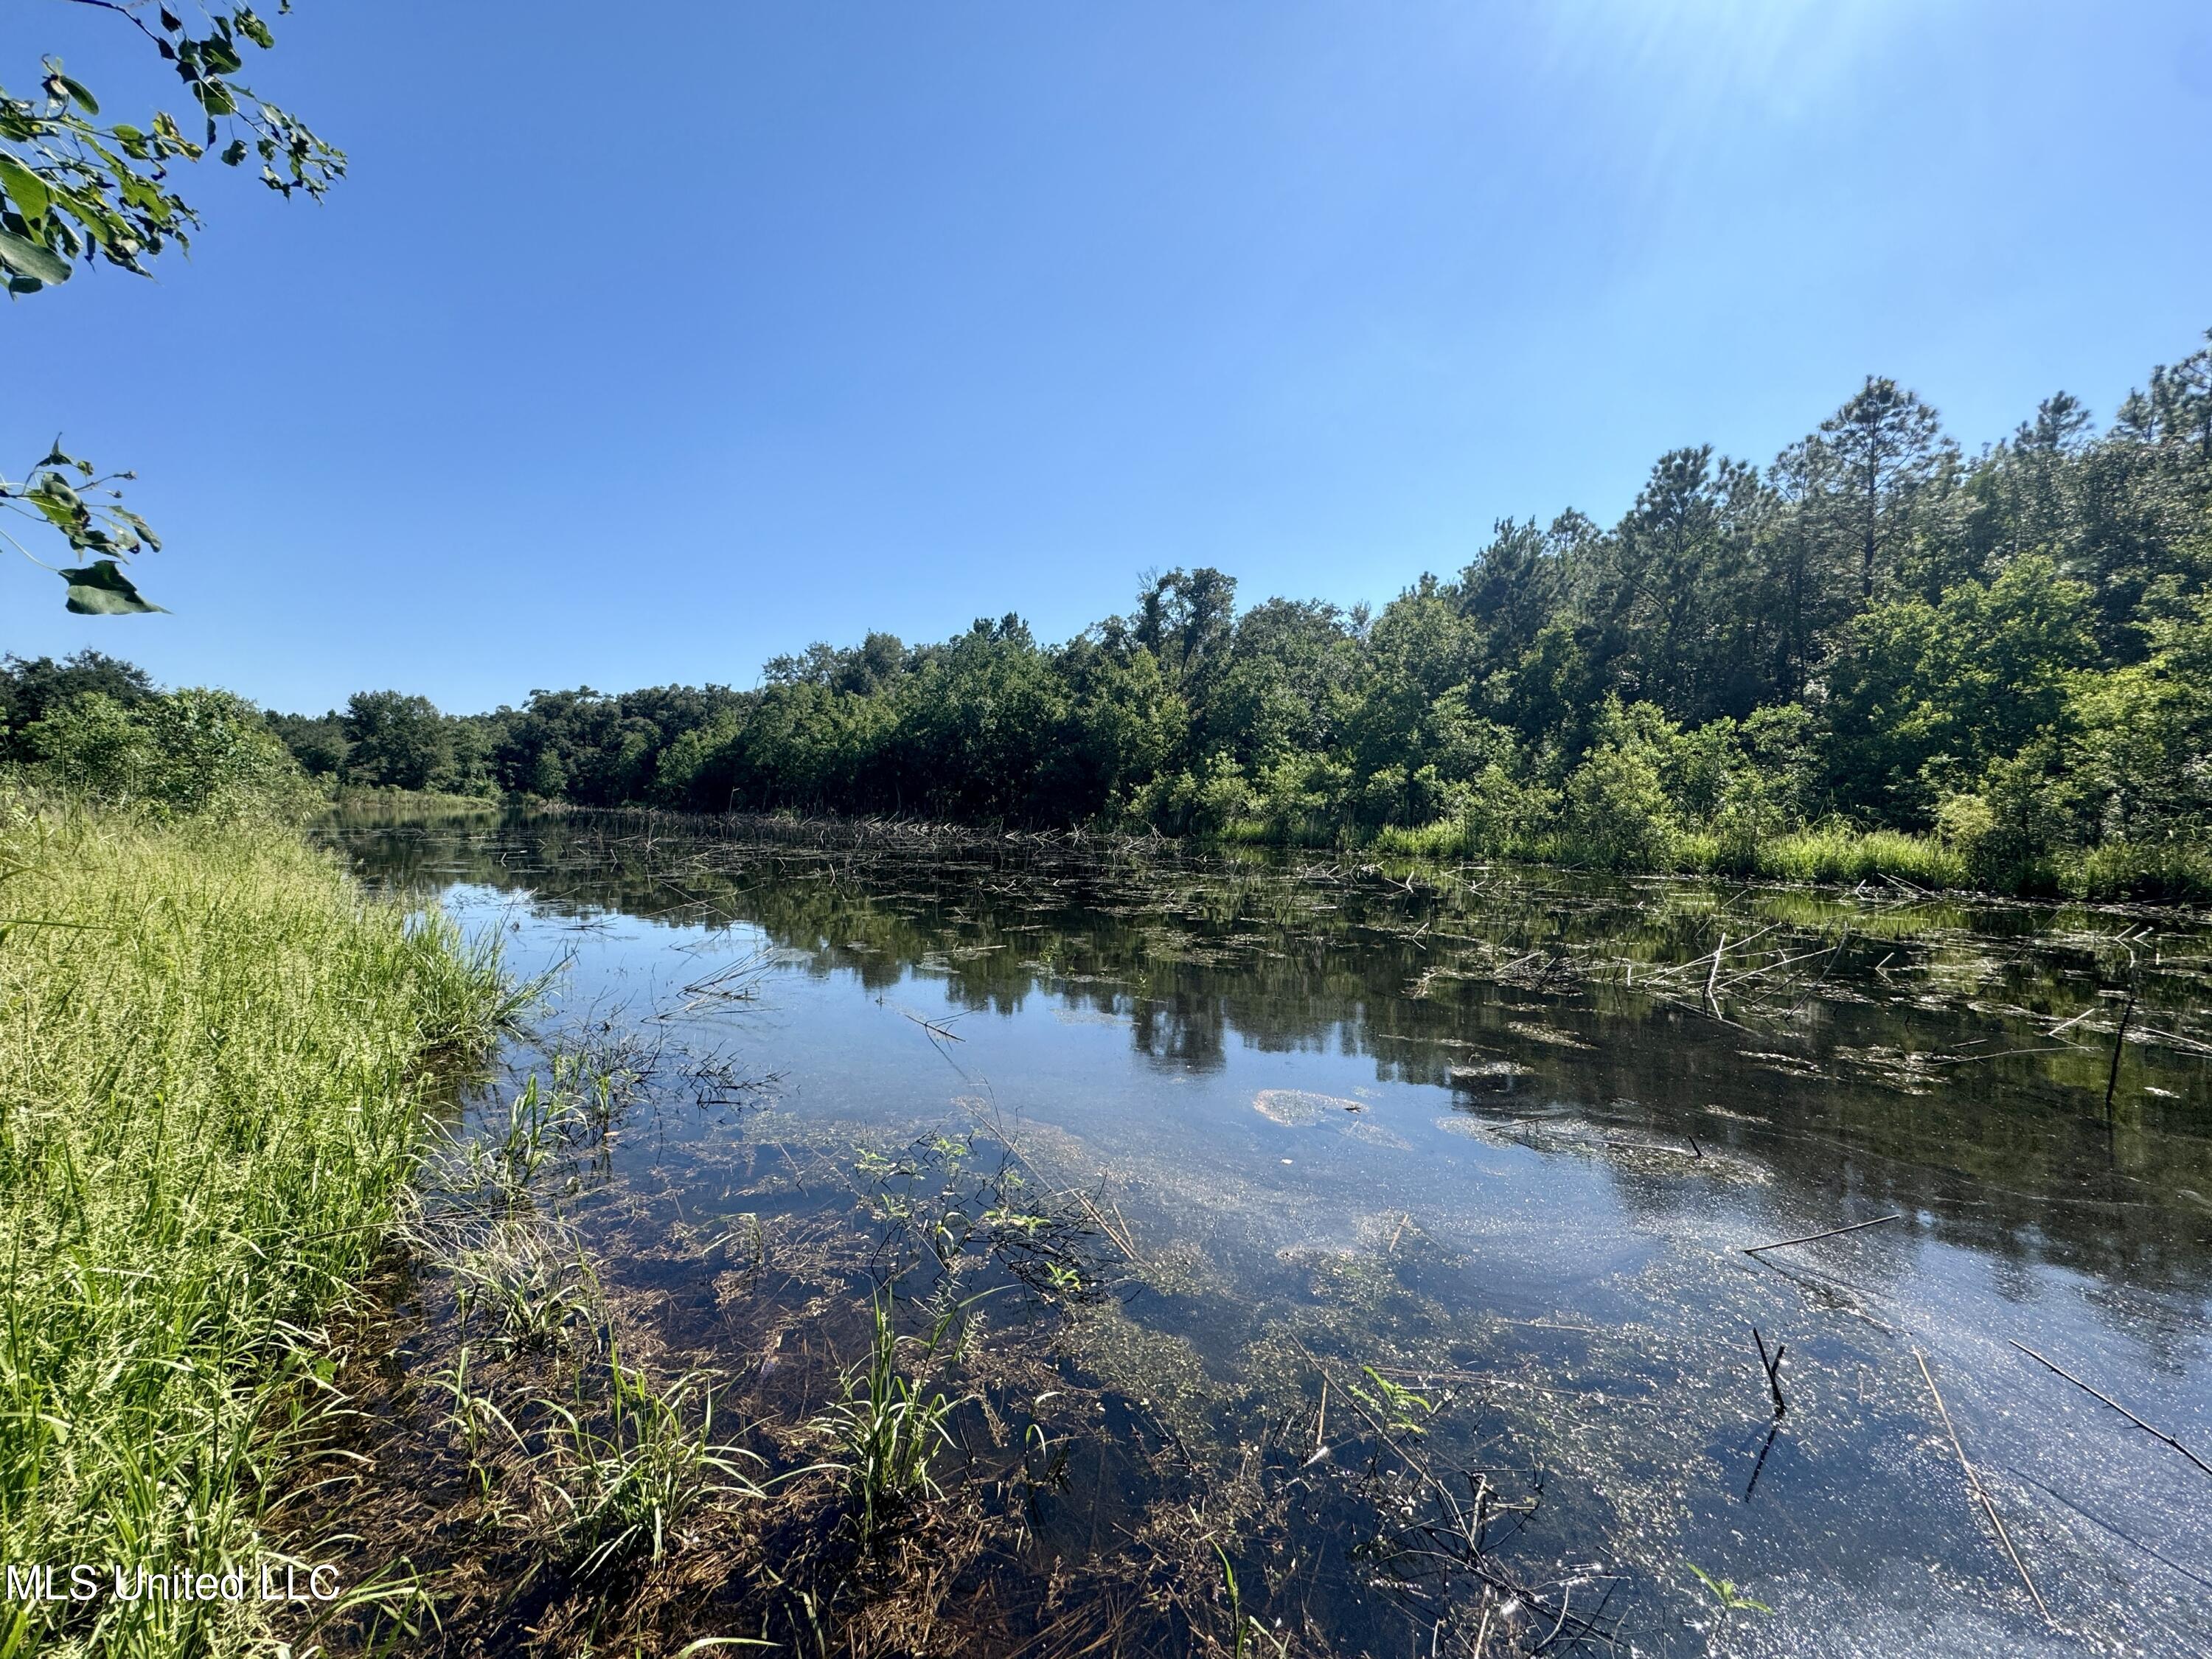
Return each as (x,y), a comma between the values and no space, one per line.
(79,190)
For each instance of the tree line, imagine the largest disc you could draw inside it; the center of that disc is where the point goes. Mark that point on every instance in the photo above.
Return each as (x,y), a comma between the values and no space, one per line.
(2010,652)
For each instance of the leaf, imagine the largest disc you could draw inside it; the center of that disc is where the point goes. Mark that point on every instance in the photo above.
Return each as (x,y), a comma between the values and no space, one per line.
(101,589)
(67,518)
(145,534)
(85,101)
(56,488)
(27,258)
(24,187)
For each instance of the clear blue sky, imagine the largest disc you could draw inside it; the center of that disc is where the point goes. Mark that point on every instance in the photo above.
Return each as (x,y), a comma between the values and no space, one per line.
(644,342)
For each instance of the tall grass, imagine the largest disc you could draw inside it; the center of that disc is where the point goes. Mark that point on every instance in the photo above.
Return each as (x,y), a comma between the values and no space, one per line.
(1827,852)
(890,1425)
(217,1058)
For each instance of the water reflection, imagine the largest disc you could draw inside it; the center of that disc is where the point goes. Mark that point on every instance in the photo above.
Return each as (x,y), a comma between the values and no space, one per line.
(1517,1126)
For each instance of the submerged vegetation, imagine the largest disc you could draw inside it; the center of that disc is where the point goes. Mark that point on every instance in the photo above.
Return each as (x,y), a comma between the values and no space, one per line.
(1877,656)
(215,1075)
(680,1365)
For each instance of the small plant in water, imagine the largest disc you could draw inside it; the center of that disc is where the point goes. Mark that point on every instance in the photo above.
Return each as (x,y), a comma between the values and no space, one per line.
(627,1473)
(533,1293)
(1724,1591)
(890,1427)
(1401,1409)
(1244,1627)
(536,1122)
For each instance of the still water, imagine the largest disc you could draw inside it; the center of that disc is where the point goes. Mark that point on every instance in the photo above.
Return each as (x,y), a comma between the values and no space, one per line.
(1403,1220)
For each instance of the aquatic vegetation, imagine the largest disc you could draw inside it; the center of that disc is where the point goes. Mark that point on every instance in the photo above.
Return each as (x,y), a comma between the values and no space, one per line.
(1400,1409)
(889,1425)
(532,1280)
(1338,1374)
(1724,1592)
(628,1468)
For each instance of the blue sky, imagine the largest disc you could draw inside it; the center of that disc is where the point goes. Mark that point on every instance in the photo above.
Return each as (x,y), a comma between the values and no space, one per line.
(643,343)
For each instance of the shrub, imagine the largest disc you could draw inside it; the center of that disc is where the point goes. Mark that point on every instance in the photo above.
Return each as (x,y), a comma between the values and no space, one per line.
(190,753)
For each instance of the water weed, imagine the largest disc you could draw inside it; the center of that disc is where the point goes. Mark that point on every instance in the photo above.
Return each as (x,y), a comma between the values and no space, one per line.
(630,1467)
(890,1425)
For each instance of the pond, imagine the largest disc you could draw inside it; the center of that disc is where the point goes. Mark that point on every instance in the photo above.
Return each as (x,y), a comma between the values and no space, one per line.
(1358,1259)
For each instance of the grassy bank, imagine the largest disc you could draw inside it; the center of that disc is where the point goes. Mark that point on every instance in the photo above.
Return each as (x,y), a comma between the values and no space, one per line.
(2176,872)
(216,1066)
(374,806)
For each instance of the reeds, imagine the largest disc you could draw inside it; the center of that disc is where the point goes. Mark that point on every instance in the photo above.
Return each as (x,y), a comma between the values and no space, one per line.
(215,1071)
(890,1425)
(630,1467)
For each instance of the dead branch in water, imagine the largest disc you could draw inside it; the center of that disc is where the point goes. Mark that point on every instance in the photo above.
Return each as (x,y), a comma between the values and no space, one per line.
(1806,1238)
(1980,1493)
(935,1028)
(2155,1433)
(1772,1368)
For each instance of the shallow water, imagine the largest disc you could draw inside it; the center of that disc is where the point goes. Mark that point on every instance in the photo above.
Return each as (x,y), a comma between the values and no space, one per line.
(1502,1135)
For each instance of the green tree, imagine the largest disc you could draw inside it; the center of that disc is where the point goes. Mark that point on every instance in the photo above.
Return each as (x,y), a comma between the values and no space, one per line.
(1884,447)
(394,741)
(1925,697)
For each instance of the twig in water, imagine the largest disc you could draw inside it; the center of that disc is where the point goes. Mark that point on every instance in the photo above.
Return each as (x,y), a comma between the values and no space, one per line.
(934,1028)
(2112,1077)
(2077,1020)
(1759,1463)
(1716,973)
(2155,1433)
(1772,1368)
(1806,1238)
(1979,1492)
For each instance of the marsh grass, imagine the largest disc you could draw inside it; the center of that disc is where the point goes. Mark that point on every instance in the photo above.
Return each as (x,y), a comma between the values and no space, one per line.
(215,1071)
(532,1283)
(889,1425)
(630,1466)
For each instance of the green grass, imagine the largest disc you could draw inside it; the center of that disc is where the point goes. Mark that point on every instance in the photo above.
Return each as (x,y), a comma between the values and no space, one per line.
(375,806)
(217,1061)
(1828,853)
(2171,872)
(1831,854)
(631,1468)
(888,1426)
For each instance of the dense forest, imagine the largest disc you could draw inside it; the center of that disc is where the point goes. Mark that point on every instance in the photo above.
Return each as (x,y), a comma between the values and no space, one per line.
(2006,654)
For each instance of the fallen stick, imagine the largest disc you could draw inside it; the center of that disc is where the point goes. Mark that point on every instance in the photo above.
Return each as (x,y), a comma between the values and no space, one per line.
(2155,1433)
(1806,1238)
(1770,1367)
(1980,1493)
(2120,1036)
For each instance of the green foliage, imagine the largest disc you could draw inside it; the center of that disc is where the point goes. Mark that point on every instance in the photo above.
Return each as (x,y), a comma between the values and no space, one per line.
(213,1087)
(1873,658)
(1724,1592)
(184,754)
(77,189)
(889,1425)
(1616,800)
(629,1466)
(1400,1409)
